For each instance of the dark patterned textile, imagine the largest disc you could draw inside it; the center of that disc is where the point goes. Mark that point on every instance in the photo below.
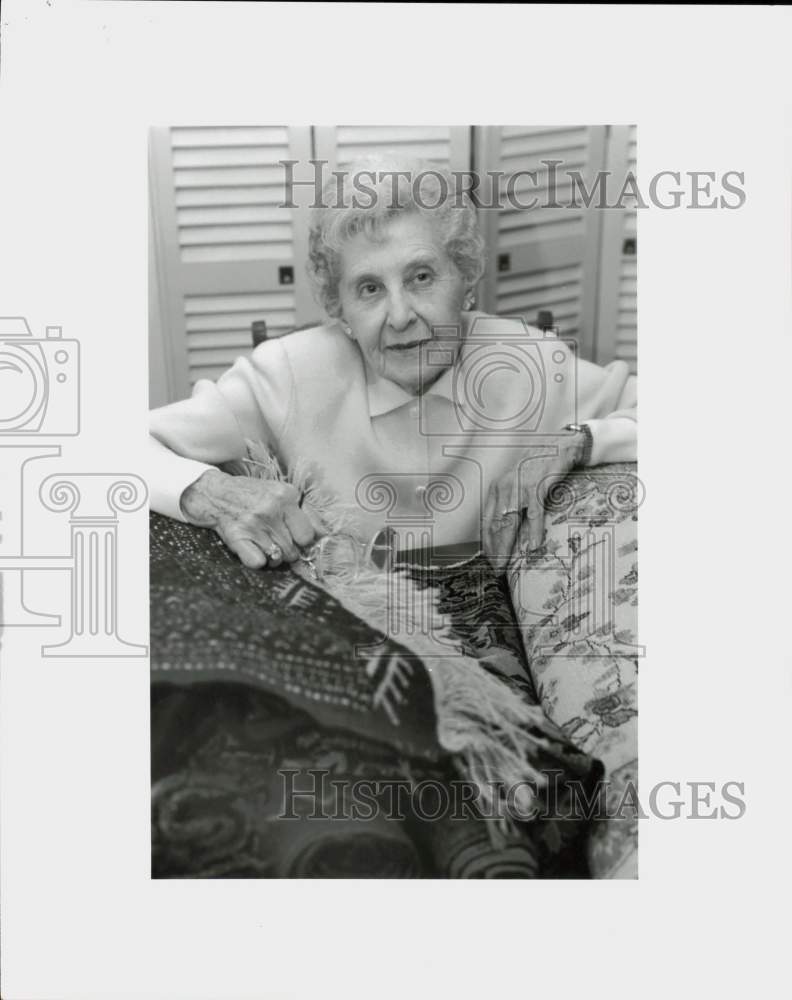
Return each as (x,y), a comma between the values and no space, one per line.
(229,764)
(274,710)
(214,619)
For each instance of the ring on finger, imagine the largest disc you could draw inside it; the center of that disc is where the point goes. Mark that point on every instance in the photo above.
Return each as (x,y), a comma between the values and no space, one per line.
(504,519)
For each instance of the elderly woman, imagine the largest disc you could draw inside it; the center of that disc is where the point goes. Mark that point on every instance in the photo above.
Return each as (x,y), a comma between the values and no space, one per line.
(413,411)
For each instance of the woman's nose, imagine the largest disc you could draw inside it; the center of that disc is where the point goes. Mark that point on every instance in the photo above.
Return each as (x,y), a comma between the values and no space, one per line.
(400,311)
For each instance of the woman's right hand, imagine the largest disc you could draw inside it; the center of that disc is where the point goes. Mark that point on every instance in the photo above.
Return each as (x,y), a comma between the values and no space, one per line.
(258,519)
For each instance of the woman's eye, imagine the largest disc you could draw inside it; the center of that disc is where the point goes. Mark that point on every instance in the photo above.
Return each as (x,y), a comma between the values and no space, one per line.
(368,289)
(423,277)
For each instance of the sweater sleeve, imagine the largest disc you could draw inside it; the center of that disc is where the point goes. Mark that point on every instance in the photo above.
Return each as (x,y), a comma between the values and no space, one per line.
(607,401)
(250,401)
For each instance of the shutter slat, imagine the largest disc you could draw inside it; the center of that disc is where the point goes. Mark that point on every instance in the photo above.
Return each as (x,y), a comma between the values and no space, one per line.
(539,279)
(232,135)
(538,166)
(218,322)
(208,305)
(521,131)
(558,228)
(511,221)
(212,177)
(228,253)
(244,233)
(238,156)
(558,302)
(437,152)
(383,135)
(568,147)
(223,215)
(200,197)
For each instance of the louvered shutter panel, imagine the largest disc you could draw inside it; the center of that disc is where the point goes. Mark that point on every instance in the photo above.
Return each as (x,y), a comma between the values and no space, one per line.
(617,325)
(627,321)
(223,241)
(340,145)
(540,257)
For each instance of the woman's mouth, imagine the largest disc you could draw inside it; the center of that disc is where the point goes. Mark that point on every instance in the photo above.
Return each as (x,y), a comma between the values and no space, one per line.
(411,345)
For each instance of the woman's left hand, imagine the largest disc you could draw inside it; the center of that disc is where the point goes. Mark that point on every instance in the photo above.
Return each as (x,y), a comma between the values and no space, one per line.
(523,490)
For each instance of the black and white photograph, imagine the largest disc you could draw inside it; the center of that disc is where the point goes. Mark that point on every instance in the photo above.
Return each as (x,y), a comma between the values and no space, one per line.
(326,488)
(407,645)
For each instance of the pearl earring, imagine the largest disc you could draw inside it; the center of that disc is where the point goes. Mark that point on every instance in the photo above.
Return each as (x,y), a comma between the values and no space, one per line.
(347,329)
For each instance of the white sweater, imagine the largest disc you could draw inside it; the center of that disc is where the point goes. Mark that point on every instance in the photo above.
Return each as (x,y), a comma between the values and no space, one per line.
(421,464)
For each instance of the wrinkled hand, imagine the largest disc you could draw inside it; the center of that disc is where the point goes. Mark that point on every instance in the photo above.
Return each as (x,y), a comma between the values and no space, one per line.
(258,519)
(523,492)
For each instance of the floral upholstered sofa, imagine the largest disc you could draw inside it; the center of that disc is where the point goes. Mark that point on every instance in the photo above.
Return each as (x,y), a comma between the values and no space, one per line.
(576,603)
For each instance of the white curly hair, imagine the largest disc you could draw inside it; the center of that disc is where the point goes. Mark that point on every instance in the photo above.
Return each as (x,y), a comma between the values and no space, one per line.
(371,191)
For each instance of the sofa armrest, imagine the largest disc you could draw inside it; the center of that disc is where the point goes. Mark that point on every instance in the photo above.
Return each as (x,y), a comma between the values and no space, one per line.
(576,600)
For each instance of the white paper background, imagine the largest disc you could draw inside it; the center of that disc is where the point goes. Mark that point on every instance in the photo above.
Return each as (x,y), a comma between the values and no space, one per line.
(709,89)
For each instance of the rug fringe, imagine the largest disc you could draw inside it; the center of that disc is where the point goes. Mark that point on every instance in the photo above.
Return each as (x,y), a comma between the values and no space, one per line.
(487,727)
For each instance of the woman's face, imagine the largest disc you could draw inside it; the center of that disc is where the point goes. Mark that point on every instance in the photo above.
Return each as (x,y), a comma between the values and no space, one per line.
(394,292)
